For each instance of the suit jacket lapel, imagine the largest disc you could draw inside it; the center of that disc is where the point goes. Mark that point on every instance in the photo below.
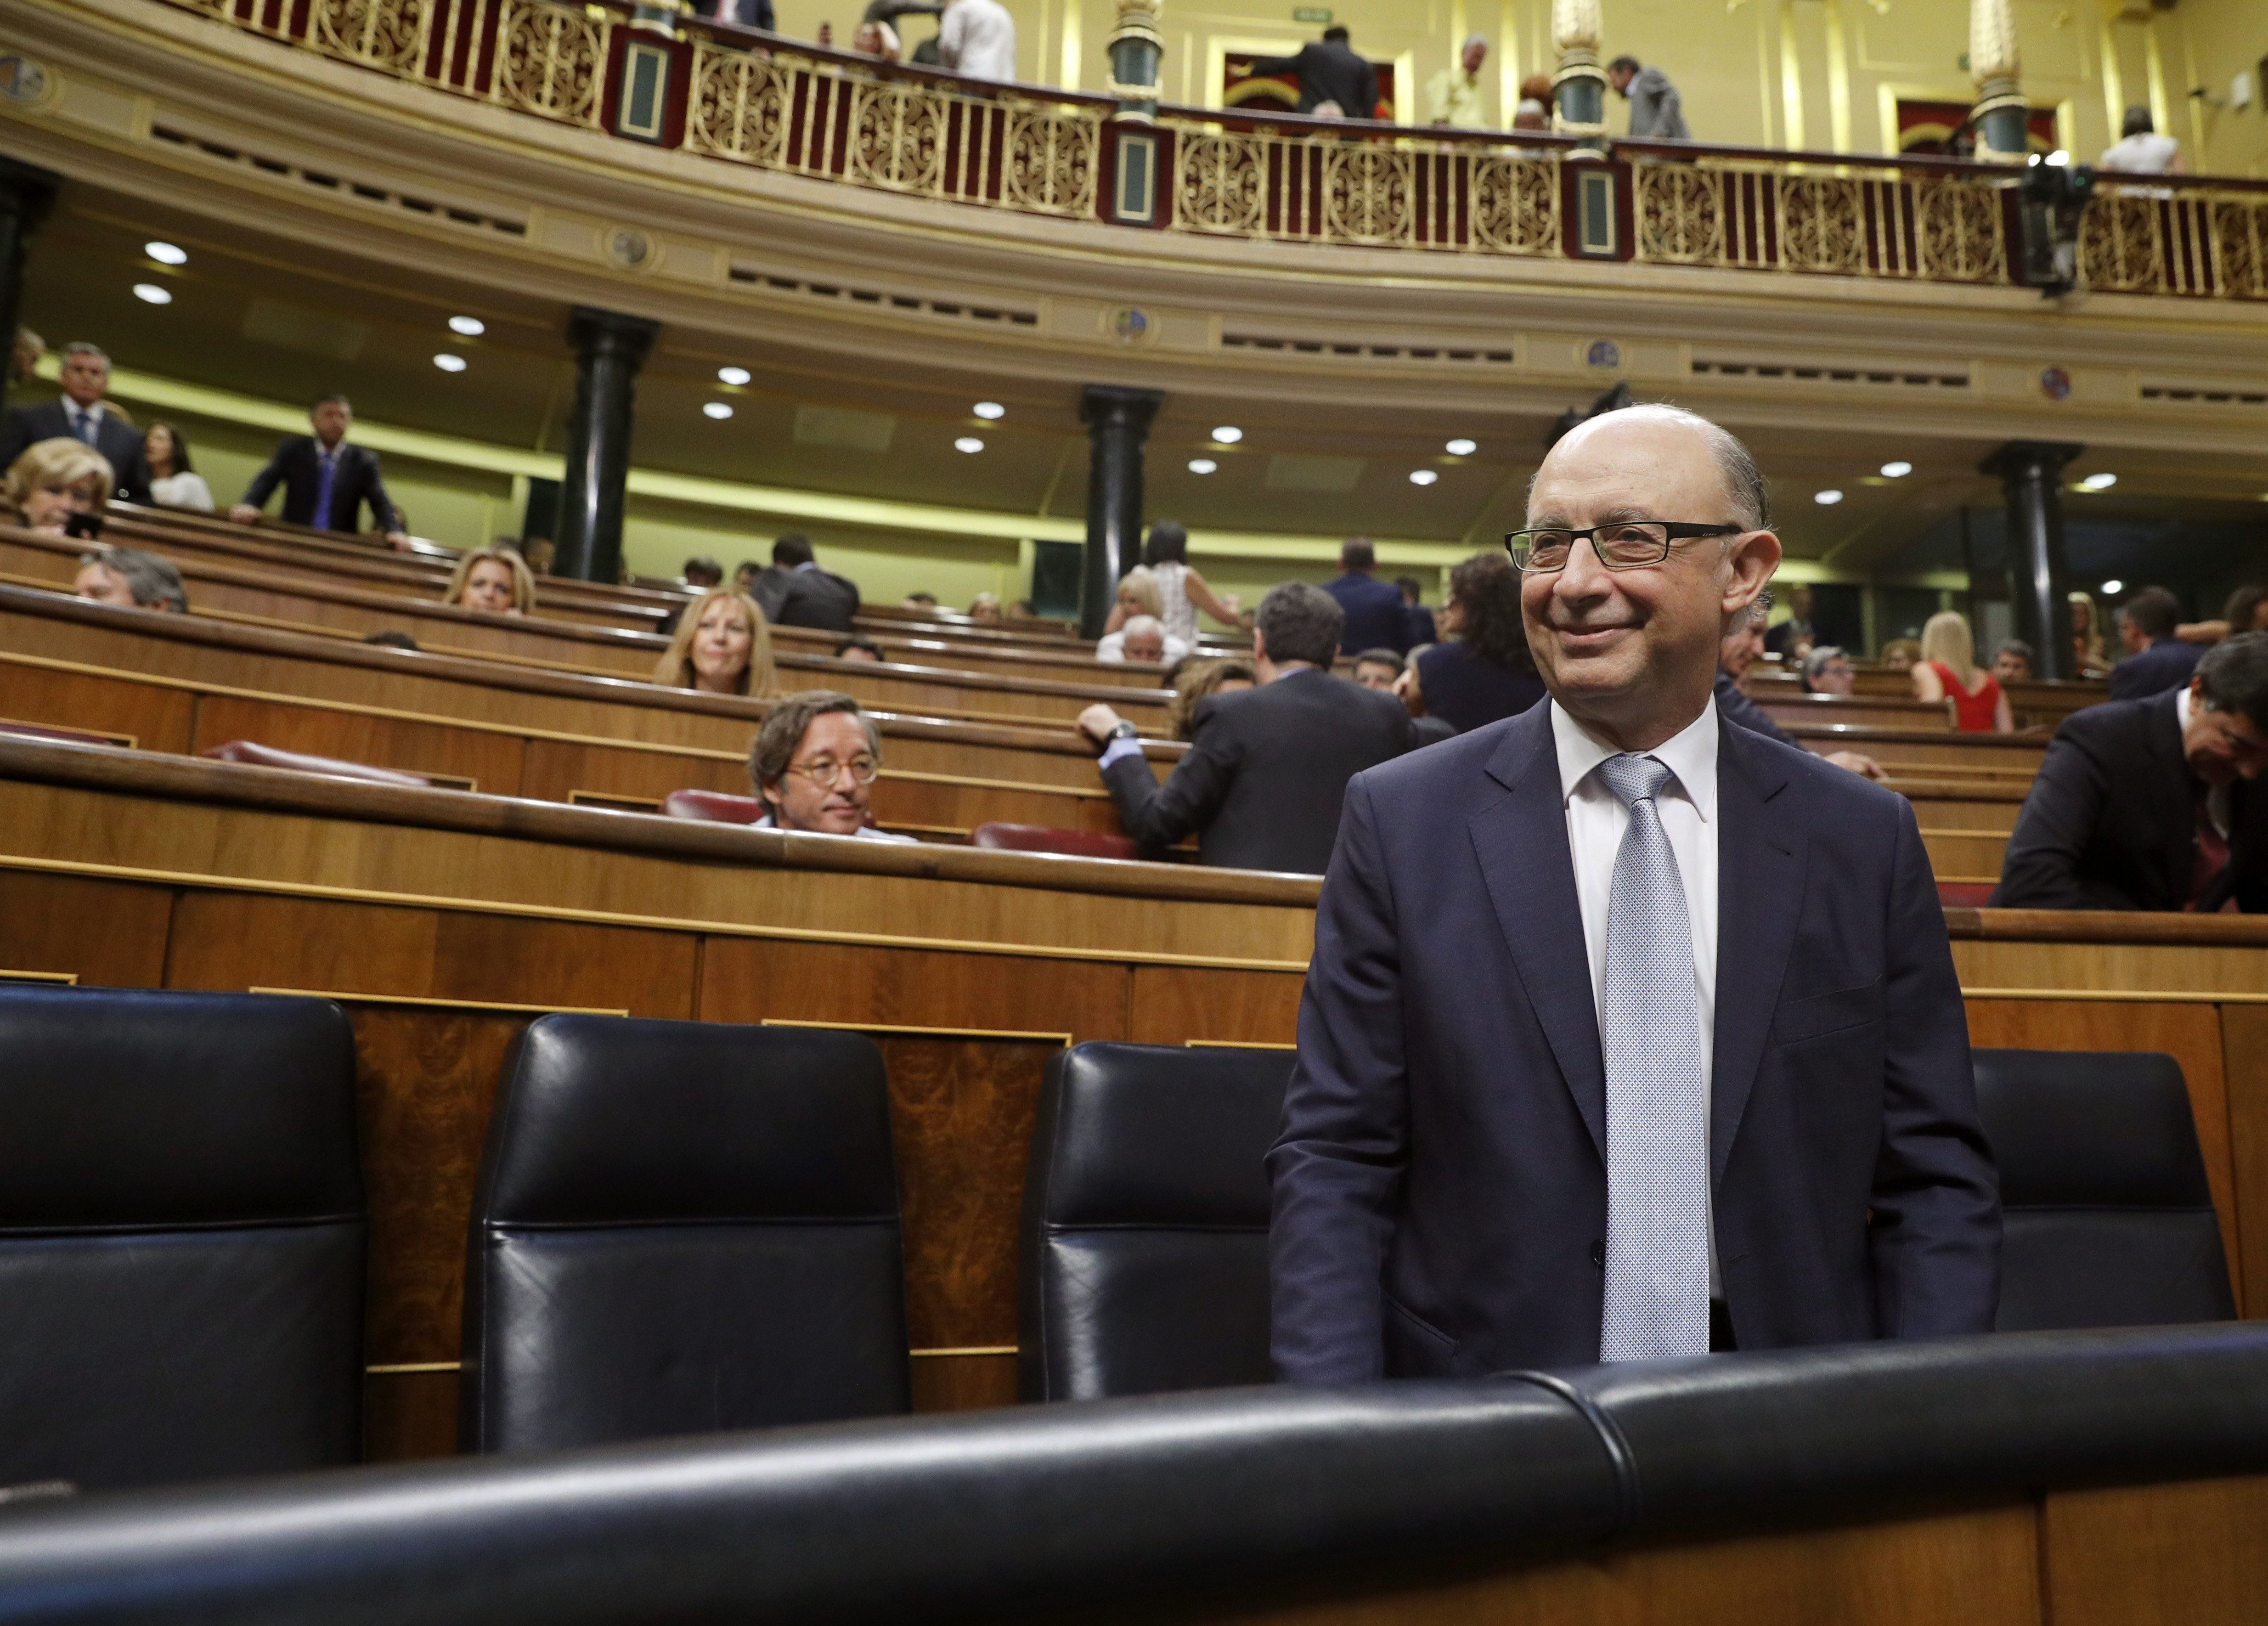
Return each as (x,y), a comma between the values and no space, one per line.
(2173,796)
(1520,840)
(1760,867)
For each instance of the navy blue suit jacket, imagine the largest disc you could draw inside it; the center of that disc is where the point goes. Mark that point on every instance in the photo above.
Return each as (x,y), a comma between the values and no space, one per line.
(1376,618)
(2168,664)
(1440,1186)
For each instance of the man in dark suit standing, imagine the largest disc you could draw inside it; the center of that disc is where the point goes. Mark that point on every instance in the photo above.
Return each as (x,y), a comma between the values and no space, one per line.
(1334,82)
(796,593)
(325,481)
(1376,617)
(2156,660)
(80,413)
(1629,1033)
(2153,804)
(1266,769)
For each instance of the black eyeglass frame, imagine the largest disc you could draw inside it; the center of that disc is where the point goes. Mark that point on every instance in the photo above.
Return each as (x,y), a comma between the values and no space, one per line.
(1672,530)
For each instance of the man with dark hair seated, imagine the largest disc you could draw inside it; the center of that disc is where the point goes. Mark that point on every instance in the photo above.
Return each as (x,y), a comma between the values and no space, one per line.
(702,573)
(2156,660)
(855,648)
(1267,768)
(2153,804)
(1377,669)
(796,593)
(814,761)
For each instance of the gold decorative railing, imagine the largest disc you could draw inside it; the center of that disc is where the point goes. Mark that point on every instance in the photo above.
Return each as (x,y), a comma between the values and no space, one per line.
(2197,239)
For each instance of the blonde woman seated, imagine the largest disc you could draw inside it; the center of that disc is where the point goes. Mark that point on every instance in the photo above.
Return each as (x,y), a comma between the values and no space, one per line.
(1948,670)
(722,646)
(54,480)
(494,580)
(1138,594)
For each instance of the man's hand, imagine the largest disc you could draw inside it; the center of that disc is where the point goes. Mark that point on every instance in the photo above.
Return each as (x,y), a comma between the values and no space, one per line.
(1864,767)
(1095,723)
(245,513)
(400,539)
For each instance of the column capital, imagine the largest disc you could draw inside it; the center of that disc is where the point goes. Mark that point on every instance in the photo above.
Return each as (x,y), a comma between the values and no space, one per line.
(590,328)
(1104,407)
(2018,459)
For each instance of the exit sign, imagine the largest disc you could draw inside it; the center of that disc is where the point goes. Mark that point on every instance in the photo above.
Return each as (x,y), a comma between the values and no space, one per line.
(1311,14)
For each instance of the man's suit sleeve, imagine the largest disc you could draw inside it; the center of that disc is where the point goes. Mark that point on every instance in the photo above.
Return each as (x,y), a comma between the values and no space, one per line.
(1158,816)
(264,483)
(1337,1166)
(15,435)
(1369,83)
(381,506)
(1269,67)
(2041,868)
(1935,1230)
(1735,707)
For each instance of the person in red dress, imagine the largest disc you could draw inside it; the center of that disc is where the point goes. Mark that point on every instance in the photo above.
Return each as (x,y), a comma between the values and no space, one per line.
(1948,670)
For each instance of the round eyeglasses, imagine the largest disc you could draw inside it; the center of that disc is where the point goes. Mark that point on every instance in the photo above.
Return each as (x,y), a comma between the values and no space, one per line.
(827,773)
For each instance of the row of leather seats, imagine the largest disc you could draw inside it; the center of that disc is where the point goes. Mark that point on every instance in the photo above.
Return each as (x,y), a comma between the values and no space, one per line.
(686,1227)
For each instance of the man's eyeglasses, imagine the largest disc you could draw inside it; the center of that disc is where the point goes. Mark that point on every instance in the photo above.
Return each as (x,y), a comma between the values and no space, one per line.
(827,773)
(1630,545)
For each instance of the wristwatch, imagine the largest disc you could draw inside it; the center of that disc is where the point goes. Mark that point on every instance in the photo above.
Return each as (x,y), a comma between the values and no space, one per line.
(1124,731)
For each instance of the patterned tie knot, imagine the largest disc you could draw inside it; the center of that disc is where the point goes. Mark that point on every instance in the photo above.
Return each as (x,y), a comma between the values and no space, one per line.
(1632,777)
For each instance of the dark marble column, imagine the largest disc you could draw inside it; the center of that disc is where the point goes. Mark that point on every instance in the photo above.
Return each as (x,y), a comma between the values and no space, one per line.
(1117,422)
(24,195)
(2031,473)
(610,348)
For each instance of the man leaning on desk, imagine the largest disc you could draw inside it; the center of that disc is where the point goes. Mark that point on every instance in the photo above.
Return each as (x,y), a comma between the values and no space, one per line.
(1629,1033)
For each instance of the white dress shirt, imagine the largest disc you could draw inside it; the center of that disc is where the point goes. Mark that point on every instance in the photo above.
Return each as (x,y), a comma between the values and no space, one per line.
(78,417)
(979,37)
(1596,820)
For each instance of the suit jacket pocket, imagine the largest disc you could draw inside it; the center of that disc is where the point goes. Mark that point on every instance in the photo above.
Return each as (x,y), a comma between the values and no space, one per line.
(1414,1348)
(1833,1012)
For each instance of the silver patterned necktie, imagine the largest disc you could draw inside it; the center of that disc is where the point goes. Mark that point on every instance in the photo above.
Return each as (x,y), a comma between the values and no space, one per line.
(1657,1296)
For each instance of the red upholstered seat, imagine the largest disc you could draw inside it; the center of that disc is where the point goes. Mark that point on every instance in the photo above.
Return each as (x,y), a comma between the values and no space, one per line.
(330,767)
(1040,838)
(717,807)
(70,736)
(1964,894)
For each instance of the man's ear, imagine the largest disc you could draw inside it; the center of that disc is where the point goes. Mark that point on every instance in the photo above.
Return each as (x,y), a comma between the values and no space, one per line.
(1748,565)
(1259,645)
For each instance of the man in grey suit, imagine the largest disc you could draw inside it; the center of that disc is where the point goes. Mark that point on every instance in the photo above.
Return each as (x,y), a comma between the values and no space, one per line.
(81,414)
(1655,114)
(796,593)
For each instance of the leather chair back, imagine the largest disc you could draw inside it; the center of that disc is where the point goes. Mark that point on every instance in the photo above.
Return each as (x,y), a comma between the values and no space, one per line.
(2109,1220)
(716,806)
(1143,1250)
(682,1227)
(1005,837)
(298,762)
(182,1236)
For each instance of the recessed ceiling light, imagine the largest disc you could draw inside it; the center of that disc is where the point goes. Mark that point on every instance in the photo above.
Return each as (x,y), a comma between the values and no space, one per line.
(1228,434)
(990,410)
(150,293)
(449,361)
(968,442)
(716,410)
(2113,587)
(2098,483)
(733,375)
(1898,470)
(1423,477)
(165,253)
(1827,498)
(471,327)
(1202,466)
(1461,448)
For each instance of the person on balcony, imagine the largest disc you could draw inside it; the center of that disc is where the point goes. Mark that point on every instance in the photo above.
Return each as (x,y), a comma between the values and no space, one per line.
(1452,97)
(1334,82)
(978,38)
(742,13)
(2140,151)
(1655,114)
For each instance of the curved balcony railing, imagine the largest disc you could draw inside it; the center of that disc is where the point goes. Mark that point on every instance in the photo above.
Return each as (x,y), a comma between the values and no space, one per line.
(740,97)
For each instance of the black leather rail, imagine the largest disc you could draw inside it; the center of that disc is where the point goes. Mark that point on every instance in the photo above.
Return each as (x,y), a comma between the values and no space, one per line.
(1232,1495)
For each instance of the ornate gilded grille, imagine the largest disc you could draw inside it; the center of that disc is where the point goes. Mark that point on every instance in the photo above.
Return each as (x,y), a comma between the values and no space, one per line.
(1680,213)
(390,35)
(550,59)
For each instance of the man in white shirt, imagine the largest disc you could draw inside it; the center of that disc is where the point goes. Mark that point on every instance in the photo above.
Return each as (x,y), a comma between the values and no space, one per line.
(978,38)
(1629,1033)
(1452,96)
(1143,640)
(2140,151)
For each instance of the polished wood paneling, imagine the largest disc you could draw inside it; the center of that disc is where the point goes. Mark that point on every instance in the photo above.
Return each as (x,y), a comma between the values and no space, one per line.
(1173,1005)
(963,1382)
(156,719)
(2190,1034)
(2244,1058)
(408,1416)
(490,761)
(745,980)
(106,933)
(2180,1555)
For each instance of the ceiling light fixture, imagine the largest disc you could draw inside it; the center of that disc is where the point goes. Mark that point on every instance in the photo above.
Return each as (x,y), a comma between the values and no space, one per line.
(1827,498)
(150,293)
(990,410)
(1898,470)
(1423,477)
(471,327)
(2113,587)
(733,375)
(2098,483)
(1461,448)
(449,361)
(166,253)
(968,442)
(717,409)
(1228,434)
(1202,466)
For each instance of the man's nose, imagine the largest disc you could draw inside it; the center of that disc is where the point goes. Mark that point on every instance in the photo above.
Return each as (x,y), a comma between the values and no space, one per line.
(1583,576)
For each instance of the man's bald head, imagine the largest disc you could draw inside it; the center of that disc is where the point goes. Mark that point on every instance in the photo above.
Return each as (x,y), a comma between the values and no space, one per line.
(1747,504)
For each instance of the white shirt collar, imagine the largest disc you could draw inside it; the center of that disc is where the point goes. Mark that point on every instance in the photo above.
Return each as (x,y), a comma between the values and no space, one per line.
(2182,709)
(75,412)
(1690,754)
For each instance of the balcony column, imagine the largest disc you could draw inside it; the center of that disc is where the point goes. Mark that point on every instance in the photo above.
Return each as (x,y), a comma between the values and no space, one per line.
(2000,112)
(1579,87)
(1136,48)
(1117,423)
(24,195)
(2031,473)
(610,348)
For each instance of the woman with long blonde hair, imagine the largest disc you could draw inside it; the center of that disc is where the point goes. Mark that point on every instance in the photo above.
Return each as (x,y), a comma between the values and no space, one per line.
(722,646)
(2087,633)
(1948,670)
(494,580)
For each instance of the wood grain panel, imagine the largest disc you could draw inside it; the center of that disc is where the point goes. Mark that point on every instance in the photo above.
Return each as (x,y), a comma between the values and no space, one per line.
(490,761)
(110,934)
(1976,1569)
(963,1382)
(2244,1054)
(2181,1555)
(2190,1034)
(747,981)
(158,718)
(408,1416)
(1175,1006)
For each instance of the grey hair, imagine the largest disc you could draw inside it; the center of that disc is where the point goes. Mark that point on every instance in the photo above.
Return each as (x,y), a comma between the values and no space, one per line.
(1736,465)
(1143,623)
(1815,662)
(82,348)
(155,582)
(784,727)
(1472,40)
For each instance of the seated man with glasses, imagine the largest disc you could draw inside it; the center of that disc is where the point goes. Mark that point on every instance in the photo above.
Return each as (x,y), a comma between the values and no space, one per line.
(814,763)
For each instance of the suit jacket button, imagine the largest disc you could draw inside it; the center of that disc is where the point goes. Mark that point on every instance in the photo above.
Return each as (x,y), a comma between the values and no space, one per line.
(1599,1254)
